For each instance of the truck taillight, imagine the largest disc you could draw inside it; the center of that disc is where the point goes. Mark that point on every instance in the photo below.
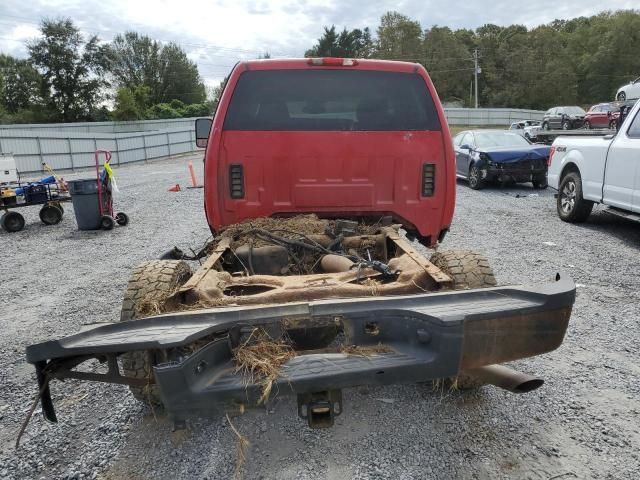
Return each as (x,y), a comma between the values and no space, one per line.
(333,62)
(550,157)
(236,181)
(428,179)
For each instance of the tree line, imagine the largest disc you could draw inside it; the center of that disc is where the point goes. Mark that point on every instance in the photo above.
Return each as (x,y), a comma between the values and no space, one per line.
(68,78)
(566,62)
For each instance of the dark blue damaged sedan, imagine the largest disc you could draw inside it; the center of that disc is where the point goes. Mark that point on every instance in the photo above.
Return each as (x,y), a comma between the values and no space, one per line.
(499,156)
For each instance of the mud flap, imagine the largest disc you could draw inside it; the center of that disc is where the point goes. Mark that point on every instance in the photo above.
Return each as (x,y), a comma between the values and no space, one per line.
(320,408)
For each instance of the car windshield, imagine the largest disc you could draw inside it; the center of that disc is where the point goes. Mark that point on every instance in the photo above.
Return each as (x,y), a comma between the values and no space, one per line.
(499,139)
(331,100)
(574,111)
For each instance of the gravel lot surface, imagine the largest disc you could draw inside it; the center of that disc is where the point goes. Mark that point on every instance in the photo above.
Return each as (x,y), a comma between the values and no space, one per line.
(583,423)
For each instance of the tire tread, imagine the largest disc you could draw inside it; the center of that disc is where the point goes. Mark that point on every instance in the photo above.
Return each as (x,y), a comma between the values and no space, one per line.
(150,284)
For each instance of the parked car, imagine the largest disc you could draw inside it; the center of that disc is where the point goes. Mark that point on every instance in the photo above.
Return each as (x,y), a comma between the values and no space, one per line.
(629,91)
(589,170)
(496,155)
(565,118)
(527,128)
(602,115)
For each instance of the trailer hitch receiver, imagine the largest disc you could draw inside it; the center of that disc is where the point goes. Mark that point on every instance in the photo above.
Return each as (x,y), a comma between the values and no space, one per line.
(320,408)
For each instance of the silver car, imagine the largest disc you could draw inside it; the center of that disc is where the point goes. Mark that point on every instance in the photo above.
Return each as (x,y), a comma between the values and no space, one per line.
(629,91)
(527,128)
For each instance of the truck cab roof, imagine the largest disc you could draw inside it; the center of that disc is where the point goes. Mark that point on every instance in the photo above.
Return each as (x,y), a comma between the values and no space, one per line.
(329,62)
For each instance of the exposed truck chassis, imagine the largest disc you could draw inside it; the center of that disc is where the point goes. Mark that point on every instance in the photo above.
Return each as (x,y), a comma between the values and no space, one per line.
(427,336)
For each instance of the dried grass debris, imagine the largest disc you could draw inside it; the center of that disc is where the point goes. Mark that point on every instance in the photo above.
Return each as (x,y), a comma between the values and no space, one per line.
(242,445)
(261,358)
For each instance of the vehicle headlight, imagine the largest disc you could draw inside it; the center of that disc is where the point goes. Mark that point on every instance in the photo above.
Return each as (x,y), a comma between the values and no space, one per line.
(486,158)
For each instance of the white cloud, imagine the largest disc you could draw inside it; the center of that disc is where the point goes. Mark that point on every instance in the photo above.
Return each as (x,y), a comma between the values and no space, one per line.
(217,33)
(13,40)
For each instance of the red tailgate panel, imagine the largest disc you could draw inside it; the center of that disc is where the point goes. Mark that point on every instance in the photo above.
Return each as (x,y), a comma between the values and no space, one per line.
(333,173)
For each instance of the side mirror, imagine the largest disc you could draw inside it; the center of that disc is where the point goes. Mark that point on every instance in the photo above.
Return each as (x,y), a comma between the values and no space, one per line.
(203,127)
(465,147)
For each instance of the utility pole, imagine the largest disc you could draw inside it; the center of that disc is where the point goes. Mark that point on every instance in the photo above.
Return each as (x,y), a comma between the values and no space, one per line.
(475,71)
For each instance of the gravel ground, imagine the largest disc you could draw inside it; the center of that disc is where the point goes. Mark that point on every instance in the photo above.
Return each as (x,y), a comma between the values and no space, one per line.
(584,422)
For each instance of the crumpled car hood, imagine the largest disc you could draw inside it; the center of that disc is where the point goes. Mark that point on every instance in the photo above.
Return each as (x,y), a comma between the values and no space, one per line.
(516,154)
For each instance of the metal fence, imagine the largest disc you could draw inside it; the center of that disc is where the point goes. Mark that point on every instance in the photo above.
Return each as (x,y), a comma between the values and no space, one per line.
(69,146)
(72,150)
(104,127)
(490,116)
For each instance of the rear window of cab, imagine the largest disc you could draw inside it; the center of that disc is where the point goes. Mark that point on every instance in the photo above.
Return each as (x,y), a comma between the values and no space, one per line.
(331,100)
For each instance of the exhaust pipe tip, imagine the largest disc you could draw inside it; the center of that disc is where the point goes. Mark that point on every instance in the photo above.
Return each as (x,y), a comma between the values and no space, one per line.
(528,386)
(506,378)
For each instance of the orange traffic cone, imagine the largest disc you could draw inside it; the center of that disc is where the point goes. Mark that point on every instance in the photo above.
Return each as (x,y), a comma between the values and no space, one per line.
(175,188)
(194,181)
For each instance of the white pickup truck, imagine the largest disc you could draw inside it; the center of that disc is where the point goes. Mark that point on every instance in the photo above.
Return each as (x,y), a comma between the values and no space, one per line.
(589,170)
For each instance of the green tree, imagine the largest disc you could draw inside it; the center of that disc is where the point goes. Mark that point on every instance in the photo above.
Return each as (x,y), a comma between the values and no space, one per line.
(399,38)
(20,84)
(347,44)
(135,60)
(166,70)
(216,92)
(197,110)
(180,77)
(72,69)
(162,110)
(131,103)
(448,61)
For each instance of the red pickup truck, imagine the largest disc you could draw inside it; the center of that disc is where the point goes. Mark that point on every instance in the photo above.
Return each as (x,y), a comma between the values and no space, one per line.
(318,172)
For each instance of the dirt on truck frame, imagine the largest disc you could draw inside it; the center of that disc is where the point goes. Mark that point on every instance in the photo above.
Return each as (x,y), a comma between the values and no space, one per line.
(311,283)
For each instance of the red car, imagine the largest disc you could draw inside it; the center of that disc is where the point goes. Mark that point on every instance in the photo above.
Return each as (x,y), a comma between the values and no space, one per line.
(602,115)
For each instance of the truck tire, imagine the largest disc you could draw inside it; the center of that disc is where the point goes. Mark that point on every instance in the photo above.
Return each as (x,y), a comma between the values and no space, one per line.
(571,205)
(468,269)
(151,283)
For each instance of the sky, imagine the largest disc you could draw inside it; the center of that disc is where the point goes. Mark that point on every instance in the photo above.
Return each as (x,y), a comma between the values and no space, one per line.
(217,33)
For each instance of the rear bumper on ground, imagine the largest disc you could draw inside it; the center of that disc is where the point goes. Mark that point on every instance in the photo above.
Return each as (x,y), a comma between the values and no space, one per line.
(428,336)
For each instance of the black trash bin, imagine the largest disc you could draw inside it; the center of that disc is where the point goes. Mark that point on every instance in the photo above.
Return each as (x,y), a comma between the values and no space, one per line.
(84,196)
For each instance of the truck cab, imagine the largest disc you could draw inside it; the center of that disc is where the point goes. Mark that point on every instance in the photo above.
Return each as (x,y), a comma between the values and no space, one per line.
(599,169)
(337,137)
